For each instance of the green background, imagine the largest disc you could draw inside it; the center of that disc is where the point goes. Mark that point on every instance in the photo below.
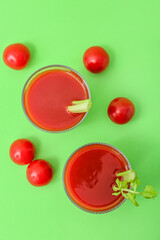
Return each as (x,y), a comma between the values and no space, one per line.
(58,32)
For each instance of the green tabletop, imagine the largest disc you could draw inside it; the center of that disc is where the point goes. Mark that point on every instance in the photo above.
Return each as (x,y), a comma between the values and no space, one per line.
(58,32)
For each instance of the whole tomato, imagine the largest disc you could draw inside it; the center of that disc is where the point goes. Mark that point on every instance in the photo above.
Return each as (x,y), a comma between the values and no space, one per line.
(39,173)
(96,59)
(16,56)
(121,110)
(22,151)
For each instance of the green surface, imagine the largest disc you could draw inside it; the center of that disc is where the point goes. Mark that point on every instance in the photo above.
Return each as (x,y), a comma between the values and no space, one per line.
(58,32)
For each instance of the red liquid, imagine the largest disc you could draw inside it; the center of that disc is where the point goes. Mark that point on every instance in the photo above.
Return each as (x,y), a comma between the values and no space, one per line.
(47,96)
(90,175)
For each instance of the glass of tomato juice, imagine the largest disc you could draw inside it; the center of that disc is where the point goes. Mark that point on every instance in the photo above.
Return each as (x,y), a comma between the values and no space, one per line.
(89,175)
(48,92)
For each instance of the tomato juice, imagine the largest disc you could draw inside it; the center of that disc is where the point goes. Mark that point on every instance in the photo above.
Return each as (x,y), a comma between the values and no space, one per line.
(47,94)
(89,176)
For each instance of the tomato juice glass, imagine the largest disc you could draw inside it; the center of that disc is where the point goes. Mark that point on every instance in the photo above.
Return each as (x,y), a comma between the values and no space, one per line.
(48,92)
(89,175)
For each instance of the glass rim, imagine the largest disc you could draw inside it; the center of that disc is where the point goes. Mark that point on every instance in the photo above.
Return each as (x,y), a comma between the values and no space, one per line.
(43,68)
(63,179)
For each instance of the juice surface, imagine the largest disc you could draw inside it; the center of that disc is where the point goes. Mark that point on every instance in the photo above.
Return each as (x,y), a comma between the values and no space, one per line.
(90,175)
(47,96)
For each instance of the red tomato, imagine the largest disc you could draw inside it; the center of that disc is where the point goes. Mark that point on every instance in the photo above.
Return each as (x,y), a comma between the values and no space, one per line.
(22,151)
(96,59)
(121,110)
(16,56)
(39,173)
